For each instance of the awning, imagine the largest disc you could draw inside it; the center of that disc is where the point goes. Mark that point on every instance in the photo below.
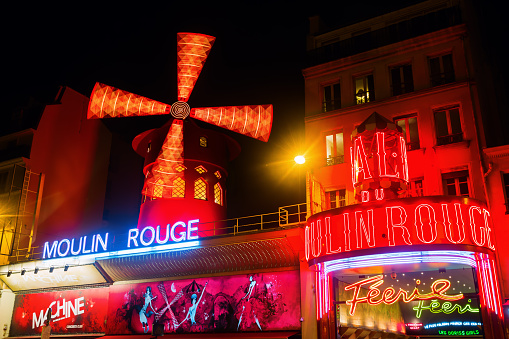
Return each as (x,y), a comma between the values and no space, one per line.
(243,335)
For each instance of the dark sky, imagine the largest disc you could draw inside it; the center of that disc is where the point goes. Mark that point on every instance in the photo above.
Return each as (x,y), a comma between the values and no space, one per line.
(257,59)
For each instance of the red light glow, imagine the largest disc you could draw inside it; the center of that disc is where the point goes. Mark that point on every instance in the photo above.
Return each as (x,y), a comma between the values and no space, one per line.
(163,175)
(110,102)
(193,50)
(253,121)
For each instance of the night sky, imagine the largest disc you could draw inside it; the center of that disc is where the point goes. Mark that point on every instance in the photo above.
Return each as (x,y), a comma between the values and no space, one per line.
(257,59)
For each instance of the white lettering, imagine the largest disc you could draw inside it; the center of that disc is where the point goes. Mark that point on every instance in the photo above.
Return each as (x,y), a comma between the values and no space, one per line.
(182,234)
(133,237)
(47,252)
(190,229)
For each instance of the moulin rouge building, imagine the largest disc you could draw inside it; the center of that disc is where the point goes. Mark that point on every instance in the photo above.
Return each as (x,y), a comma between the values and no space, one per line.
(401,233)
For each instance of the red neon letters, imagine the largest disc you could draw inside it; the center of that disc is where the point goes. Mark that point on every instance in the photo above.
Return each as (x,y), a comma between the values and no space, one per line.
(399,222)
(389,296)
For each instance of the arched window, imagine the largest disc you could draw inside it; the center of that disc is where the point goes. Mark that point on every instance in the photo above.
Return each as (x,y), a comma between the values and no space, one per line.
(158,188)
(179,188)
(218,194)
(200,189)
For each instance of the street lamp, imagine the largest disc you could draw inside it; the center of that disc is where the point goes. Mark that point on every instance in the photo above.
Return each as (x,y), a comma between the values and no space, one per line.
(299,159)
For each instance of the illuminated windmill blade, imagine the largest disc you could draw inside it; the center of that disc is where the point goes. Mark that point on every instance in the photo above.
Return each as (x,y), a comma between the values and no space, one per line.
(192,51)
(111,102)
(165,177)
(253,121)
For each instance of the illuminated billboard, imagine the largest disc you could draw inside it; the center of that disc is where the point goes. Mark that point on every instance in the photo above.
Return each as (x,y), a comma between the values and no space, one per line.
(74,311)
(251,302)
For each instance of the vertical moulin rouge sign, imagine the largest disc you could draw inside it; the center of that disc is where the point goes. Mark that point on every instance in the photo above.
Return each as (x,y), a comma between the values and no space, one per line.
(74,311)
(256,302)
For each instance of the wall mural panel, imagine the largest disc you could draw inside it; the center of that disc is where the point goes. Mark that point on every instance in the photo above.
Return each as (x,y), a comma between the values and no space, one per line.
(257,302)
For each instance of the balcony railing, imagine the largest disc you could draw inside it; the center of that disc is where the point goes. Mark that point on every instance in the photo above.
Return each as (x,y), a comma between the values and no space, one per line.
(340,159)
(449,139)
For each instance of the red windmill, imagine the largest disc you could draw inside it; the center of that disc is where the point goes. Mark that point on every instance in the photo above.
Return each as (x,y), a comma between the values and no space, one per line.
(168,195)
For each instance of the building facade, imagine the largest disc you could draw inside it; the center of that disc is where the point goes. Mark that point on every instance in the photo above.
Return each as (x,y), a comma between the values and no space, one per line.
(412,72)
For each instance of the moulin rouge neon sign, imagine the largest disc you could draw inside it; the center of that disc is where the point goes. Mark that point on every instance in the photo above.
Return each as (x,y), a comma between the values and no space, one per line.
(399,222)
(146,237)
(390,296)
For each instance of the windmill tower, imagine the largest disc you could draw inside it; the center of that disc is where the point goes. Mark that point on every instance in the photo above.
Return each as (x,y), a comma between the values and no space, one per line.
(185,165)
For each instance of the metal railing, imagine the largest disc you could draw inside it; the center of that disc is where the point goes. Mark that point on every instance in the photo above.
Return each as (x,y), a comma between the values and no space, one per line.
(449,139)
(285,217)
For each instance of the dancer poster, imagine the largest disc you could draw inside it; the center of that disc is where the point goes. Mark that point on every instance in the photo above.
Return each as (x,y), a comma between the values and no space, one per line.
(252,302)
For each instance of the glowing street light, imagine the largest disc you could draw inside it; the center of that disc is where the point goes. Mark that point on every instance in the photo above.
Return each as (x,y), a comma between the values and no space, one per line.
(299,159)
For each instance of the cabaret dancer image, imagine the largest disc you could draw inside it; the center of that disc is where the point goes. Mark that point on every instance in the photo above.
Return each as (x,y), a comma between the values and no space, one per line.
(144,311)
(191,313)
(248,307)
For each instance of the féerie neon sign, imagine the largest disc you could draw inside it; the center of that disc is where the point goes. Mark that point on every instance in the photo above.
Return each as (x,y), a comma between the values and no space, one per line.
(389,296)
(446,308)
(399,222)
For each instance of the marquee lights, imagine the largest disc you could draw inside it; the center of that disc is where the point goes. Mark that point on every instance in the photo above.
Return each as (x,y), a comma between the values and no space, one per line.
(408,222)
(390,296)
(446,308)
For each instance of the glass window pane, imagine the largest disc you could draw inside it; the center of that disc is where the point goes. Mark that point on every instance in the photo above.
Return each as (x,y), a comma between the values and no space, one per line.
(402,123)
(454,115)
(396,81)
(408,78)
(339,144)
(414,132)
(441,123)
(337,96)
(450,186)
(448,68)
(371,88)
(329,144)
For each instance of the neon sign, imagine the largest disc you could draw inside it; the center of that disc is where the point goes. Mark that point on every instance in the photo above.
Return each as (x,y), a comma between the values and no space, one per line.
(179,231)
(399,222)
(446,308)
(65,247)
(173,236)
(379,160)
(390,296)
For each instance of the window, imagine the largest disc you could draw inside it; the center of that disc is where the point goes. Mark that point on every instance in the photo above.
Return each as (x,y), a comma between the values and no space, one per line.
(441,70)
(410,131)
(218,194)
(200,189)
(331,98)
(364,89)
(456,183)
(334,148)
(448,126)
(200,169)
(179,188)
(336,198)
(158,188)
(505,183)
(415,188)
(402,79)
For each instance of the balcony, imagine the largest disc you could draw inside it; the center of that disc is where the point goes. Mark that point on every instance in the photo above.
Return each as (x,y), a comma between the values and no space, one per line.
(449,139)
